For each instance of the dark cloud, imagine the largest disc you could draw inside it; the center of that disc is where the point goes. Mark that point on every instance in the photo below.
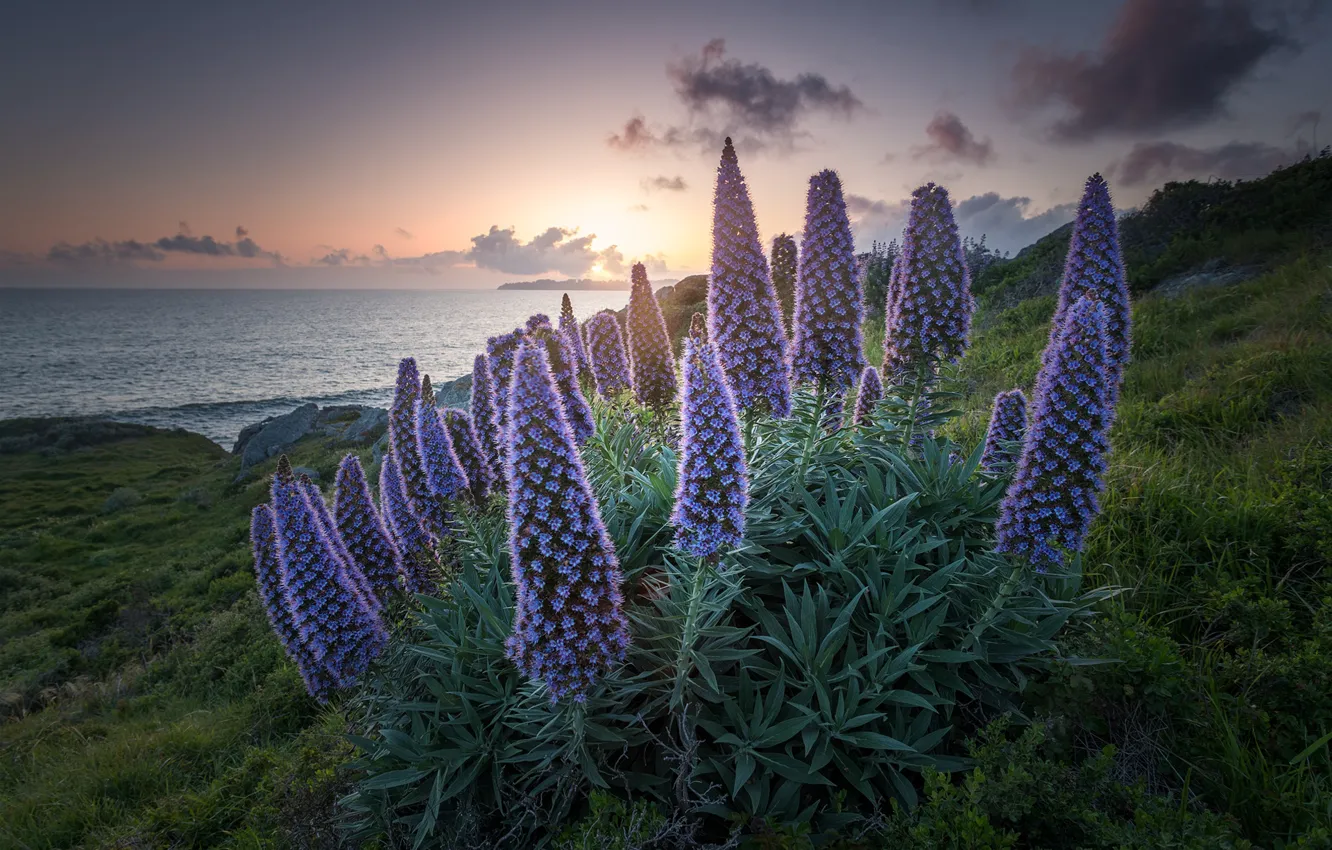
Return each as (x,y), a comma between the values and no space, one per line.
(101,251)
(403,232)
(1006,222)
(859,206)
(342,257)
(1309,118)
(184,242)
(951,140)
(727,97)
(664,183)
(184,227)
(1155,162)
(1164,64)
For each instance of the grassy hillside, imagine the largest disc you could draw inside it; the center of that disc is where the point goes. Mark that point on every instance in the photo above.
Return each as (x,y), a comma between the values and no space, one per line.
(144,701)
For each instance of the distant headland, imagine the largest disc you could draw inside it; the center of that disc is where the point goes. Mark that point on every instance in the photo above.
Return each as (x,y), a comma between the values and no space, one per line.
(576,285)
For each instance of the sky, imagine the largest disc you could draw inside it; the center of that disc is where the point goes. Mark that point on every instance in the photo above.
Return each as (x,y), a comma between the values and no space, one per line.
(412,144)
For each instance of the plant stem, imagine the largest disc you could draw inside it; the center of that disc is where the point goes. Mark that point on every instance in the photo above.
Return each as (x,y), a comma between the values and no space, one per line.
(813,431)
(690,632)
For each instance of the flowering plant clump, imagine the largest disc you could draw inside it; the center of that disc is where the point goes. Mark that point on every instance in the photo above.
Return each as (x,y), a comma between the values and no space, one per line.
(569,626)
(404,444)
(651,364)
(416,544)
(362,529)
(537,320)
(485,416)
(784,265)
(713,488)
(444,473)
(565,369)
(268,575)
(930,301)
(829,304)
(1055,492)
(1008,422)
(871,390)
(605,351)
(467,446)
(744,318)
(1095,269)
(338,631)
(573,335)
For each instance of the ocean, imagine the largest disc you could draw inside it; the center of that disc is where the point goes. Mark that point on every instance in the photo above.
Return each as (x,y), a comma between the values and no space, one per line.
(214,361)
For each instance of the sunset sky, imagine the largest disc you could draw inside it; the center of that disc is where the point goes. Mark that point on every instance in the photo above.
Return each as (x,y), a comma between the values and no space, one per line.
(438,144)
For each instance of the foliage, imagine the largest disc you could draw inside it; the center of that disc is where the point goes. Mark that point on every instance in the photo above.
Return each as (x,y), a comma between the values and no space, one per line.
(806,677)
(877,267)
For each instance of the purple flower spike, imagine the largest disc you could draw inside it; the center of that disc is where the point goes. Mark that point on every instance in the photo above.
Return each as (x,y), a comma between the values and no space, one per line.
(500,351)
(1054,495)
(931,301)
(651,363)
(871,390)
(335,627)
(698,326)
(784,269)
(362,529)
(605,351)
(569,625)
(419,561)
(268,574)
(565,369)
(467,446)
(1008,422)
(537,320)
(573,335)
(352,570)
(485,416)
(744,318)
(829,301)
(404,443)
(713,488)
(444,472)
(1095,269)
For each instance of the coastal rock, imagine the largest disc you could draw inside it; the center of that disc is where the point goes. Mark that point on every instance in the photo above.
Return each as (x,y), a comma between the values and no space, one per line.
(1212,273)
(455,393)
(272,436)
(353,423)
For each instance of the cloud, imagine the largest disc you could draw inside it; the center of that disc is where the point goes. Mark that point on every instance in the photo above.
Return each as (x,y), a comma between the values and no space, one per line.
(859,206)
(556,249)
(342,257)
(951,140)
(184,242)
(655,264)
(724,96)
(1151,162)
(102,251)
(1309,118)
(1164,64)
(1006,222)
(403,232)
(664,183)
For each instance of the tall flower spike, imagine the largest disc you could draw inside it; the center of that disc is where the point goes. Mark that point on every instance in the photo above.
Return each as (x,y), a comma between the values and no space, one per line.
(467,446)
(572,333)
(1094,268)
(605,350)
(829,301)
(268,575)
(893,362)
(339,633)
(500,351)
(784,263)
(871,390)
(651,364)
(713,489)
(1008,422)
(428,392)
(444,472)
(537,320)
(931,314)
(484,413)
(329,528)
(569,625)
(744,318)
(363,530)
(420,562)
(564,368)
(404,442)
(1055,494)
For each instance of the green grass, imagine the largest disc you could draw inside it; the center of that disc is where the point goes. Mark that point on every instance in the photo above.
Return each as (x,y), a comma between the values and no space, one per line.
(143,699)
(1217,523)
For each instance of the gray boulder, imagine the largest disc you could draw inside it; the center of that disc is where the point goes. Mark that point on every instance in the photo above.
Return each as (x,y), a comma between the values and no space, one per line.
(269,438)
(353,423)
(455,393)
